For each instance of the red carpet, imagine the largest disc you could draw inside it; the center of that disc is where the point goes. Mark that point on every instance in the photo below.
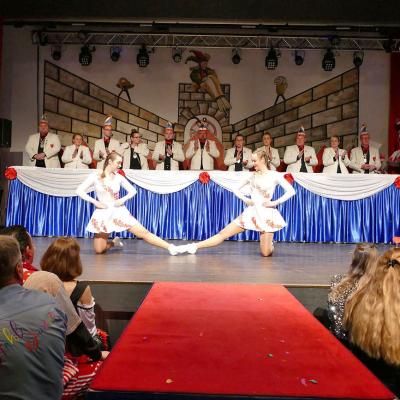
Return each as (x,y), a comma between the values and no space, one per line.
(228,339)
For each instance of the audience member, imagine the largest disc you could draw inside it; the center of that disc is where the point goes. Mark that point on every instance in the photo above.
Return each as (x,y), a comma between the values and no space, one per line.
(372,318)
(32,334)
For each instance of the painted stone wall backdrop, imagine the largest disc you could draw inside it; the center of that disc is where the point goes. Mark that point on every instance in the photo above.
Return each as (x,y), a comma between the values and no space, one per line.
(75,105)
(329,109)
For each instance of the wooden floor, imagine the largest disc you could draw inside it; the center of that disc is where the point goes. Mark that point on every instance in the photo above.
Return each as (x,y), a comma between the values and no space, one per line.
(292,263)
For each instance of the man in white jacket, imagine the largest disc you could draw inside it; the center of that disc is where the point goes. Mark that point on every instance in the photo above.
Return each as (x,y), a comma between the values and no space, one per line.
(300,158)
(365,159)
(238,157)
(103,147)
(76,156)
(43,147)
(168,153)
(335,160)
(273,155)
(135,153)
(202,151)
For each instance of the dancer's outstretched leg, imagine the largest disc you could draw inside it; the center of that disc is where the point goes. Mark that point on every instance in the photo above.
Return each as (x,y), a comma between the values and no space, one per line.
(101,243)
(266,244)
(141,232)
(227,232)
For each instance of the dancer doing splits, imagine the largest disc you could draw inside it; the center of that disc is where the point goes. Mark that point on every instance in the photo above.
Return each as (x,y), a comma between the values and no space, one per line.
(261,215)
(111,215)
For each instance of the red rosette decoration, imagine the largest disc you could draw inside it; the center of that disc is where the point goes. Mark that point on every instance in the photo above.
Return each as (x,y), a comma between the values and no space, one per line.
(204,178)
(10,173)
(396,240)
(397,182)
(121,172)
(289,178)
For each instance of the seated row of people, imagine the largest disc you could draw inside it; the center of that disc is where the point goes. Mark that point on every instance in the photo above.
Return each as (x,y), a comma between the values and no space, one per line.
(63,357)
(43,148)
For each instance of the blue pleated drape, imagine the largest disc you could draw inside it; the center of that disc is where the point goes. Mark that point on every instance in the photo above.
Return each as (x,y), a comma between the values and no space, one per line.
(200,211)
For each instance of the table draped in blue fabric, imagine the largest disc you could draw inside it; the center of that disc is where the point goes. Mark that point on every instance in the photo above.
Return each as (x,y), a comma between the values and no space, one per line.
(200,210)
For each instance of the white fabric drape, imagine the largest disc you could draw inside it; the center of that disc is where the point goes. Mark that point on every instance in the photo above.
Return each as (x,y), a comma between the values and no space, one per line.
(63,182)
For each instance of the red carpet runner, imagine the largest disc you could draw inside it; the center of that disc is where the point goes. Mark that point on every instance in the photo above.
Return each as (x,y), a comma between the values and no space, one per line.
(228,339)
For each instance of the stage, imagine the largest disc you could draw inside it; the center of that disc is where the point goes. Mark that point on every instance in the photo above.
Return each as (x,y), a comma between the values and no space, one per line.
(292,264)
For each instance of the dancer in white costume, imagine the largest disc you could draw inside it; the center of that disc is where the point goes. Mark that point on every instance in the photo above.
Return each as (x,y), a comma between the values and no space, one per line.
(111,215)
(261,215)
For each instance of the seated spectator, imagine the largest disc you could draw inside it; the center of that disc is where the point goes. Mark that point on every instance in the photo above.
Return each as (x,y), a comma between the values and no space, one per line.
(63,259)
(26,247)
(31,364)
(78,371)
(343,286)
(273,155)
(372,318)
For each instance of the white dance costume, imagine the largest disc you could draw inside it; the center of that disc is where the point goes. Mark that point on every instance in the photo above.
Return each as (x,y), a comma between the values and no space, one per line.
(114,218)
(258,217)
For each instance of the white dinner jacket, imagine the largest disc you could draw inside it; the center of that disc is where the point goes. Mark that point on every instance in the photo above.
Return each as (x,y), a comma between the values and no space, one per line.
(77,162)
(52,146)
(293,164)
(330,166)
(177,155)
(275,159)
(100,146)
(141,149)
(230,159)
(357,159)
(208,157)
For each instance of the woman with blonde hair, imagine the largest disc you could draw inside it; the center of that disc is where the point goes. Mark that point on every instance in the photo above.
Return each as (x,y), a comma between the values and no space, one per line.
(343,286)
(111,215)
(372,317)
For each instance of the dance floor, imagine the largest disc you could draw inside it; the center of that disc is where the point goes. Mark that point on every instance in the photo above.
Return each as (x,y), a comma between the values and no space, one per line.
(306,264)
(207,340)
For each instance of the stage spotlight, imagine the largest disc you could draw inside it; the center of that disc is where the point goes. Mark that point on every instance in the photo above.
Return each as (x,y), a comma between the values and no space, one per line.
(115,53)
(328,62)
(358,58)
(142,58)
(56,53)
(85,56)
(299,57)
(177,55)
(271,60)
(236,56)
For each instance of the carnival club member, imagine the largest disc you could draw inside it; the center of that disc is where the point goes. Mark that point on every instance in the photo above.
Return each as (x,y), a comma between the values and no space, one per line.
(202,151)
(168,153)
(299,157)
(43,147)
(103,147)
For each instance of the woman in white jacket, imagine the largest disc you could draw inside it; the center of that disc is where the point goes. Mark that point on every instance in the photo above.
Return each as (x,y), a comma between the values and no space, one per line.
(76,156)
(335,160)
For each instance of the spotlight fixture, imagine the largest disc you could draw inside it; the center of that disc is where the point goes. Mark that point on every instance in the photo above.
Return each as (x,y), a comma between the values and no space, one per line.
(328,62)
(236,56)
(56,53)
(85,56)
(177,54)
(358,58)
(115,53)
(271,60)
(142,58)
(299,57)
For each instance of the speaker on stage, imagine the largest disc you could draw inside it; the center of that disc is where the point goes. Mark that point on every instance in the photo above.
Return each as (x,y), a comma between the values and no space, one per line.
(5,132)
